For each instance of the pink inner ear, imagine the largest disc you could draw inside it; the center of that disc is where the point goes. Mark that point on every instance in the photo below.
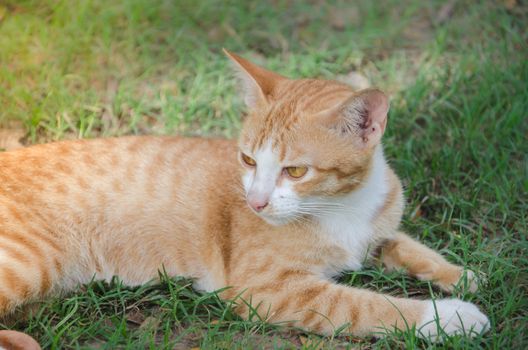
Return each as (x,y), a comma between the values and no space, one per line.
(376,108)
(363,116)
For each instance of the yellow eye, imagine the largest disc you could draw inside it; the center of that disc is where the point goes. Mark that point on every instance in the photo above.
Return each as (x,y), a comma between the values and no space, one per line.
(296,171)
(248,160)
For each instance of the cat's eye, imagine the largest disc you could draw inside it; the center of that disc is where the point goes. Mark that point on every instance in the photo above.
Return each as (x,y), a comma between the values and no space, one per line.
(296,171)
(248,160)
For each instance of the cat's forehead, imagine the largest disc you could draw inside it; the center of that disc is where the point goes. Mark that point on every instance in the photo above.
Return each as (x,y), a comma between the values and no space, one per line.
(307,96)
(289,115)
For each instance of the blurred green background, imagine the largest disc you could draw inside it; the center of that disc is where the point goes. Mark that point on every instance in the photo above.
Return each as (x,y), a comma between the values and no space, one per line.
(457,75)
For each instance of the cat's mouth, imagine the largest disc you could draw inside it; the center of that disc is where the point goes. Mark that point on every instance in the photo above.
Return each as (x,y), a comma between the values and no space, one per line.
(274,220)
(276,217)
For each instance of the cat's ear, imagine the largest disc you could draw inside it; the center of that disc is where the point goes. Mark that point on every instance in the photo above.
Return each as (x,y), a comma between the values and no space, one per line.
(363,116)
(257,83)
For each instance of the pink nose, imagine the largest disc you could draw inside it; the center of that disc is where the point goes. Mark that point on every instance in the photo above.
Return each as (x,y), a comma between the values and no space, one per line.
(258,205)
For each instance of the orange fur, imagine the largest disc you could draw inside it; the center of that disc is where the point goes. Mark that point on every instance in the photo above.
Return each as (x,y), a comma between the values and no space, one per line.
(11,340)
(73,210)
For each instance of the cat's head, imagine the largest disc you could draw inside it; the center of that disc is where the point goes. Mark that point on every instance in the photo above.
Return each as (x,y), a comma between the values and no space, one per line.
(304,142)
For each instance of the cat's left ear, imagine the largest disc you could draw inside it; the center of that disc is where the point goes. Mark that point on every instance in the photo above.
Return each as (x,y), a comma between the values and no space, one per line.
(258,83)
(362,116)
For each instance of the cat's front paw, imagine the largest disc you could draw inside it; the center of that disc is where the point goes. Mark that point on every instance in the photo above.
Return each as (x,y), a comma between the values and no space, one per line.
(465,279)
(470,280)
(453,316)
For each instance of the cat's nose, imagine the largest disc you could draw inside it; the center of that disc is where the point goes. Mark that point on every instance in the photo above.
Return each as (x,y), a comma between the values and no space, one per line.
(258,204)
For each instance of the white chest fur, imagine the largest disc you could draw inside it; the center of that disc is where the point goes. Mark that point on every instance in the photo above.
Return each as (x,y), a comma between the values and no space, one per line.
(351,227)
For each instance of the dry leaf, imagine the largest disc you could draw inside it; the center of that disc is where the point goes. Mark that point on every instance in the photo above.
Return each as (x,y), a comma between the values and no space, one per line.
(311,343)
(341,18)
(417,212)
(510,4)
(445,12)
(337,20)
(10,139)
(150,323)
(418,30)
(135,317)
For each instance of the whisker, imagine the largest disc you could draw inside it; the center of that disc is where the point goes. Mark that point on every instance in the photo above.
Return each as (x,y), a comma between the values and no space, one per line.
(323,204)
(322,207)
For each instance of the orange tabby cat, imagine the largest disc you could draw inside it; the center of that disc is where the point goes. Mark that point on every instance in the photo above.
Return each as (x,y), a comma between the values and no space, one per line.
(305,194)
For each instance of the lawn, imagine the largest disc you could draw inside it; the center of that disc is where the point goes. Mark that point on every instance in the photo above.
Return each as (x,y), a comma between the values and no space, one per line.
(457,74)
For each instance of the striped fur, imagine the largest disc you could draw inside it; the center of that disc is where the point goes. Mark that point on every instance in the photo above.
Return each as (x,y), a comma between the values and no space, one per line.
(73,210)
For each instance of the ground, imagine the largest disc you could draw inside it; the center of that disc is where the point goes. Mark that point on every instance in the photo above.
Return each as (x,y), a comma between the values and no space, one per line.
(457,75)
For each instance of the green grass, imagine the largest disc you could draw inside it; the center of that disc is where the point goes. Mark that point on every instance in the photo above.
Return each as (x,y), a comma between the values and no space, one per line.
(456,136)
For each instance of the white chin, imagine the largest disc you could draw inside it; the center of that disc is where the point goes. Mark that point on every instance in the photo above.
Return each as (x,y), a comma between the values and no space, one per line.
(275,220)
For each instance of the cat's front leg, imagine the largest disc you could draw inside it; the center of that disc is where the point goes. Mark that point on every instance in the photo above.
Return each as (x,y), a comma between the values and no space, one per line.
(425,264)
(302,300)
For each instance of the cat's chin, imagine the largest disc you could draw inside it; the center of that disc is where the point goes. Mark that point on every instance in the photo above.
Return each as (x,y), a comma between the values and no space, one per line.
(275,220)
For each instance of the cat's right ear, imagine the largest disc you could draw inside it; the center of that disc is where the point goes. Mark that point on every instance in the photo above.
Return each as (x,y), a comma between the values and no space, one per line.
(363,116)
(258,83)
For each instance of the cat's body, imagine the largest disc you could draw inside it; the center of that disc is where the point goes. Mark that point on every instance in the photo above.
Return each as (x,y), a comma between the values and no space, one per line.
(322,201)
(100,220)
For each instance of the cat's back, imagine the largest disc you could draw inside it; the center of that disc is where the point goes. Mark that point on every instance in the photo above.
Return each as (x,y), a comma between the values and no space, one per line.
(110,151)
(129,155)
(114,173)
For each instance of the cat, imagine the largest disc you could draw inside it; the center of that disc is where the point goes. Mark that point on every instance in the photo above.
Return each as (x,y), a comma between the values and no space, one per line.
(12,340)
(305,194)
